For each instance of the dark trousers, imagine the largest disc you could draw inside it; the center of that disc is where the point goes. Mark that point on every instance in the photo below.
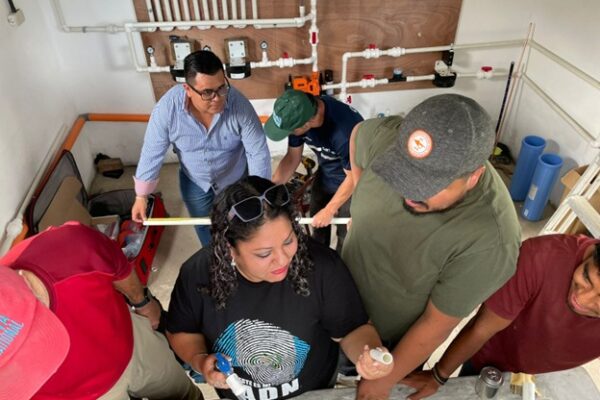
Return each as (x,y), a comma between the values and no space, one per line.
(319,198)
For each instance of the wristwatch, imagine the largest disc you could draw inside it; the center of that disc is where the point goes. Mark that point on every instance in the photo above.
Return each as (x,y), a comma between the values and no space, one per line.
(147,298)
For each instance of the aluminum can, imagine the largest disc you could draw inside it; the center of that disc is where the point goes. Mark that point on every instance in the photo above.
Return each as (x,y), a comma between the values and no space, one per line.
(489,382)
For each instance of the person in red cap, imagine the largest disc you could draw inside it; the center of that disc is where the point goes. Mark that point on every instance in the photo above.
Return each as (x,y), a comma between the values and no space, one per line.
(27,330)
(79,339)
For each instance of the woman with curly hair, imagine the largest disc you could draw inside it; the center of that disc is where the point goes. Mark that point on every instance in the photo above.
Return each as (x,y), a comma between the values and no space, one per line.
(272,300)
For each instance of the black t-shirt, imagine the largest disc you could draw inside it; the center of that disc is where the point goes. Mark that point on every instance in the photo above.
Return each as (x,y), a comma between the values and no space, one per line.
(279,341)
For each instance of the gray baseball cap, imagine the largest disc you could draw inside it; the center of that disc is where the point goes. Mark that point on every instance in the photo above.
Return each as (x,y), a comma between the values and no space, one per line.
(443,138)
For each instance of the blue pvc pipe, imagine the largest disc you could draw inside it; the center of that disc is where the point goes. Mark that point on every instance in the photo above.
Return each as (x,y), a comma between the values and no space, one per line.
(544,178)
(531,149)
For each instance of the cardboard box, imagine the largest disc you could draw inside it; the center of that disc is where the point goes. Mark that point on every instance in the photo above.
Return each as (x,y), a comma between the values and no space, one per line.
(66,207)
(569,180)
(109,164)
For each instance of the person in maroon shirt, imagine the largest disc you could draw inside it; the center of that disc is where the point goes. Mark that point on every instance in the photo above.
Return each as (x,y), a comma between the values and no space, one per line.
(545,318)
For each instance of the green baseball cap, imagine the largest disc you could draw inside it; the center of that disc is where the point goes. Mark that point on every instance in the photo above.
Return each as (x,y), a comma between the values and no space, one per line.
(292,110)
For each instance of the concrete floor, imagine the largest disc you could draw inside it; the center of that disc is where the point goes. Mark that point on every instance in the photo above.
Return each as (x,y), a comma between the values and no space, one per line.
(179,243)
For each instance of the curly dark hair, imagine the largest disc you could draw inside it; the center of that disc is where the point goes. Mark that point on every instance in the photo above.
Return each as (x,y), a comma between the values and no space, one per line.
(225,233)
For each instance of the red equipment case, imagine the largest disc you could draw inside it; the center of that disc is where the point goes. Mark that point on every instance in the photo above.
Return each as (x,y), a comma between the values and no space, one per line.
(116,202)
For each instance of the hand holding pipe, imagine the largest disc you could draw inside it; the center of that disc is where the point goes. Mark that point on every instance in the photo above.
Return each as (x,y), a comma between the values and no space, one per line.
(381,356)
(233,380)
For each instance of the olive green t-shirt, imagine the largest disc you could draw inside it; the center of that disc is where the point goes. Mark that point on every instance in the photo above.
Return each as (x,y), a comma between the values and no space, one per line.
(456,258)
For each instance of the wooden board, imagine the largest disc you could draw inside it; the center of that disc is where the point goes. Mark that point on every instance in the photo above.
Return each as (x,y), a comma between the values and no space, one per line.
(344,25)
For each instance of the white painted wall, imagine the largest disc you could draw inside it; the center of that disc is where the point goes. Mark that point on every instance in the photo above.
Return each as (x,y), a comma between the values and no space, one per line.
(33,107)
(49,77)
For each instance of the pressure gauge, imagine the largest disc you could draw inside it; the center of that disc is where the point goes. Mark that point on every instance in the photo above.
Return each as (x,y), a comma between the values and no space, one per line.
(206,48)
(264,45)
(150,50)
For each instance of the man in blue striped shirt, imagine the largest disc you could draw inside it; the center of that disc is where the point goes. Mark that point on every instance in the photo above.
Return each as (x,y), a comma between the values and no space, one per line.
(215,133)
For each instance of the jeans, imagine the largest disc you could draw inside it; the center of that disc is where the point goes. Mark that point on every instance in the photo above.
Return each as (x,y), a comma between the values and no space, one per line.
(319,198)
(199,204)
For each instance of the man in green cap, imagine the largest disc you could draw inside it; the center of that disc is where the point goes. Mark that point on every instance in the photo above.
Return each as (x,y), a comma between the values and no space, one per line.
(325,125)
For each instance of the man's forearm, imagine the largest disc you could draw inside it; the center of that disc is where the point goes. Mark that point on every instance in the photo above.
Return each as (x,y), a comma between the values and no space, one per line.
(415,348)
(131,287)
(467,343)
(472,337)
(421,340)
(341,195)
(285,170)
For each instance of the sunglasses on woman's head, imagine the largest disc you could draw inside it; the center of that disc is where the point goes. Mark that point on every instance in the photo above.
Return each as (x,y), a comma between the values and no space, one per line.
(252,208)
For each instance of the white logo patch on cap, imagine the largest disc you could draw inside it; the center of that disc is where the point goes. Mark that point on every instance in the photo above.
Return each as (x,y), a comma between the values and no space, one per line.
(277,120)
(419,144)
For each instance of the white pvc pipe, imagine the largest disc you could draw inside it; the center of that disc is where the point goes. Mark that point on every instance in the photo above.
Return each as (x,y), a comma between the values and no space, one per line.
(137,65)
(233,9)
(168,15)
(150,10)
(399,51)
(420,78)
(281,62)
(372,82)
(176,9)
(242,12)
(150,26)
(225,14)
(254,9)
(560,111)
(565,64)
(82,29)
(196,6)
(186,11)
(205,14)
(158,9)
(314,31)
(181,221)
(255,14)
(225,9)
(215,10)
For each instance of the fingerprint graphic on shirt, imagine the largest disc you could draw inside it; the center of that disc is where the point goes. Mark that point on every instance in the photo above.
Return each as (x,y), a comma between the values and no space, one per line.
(269,354)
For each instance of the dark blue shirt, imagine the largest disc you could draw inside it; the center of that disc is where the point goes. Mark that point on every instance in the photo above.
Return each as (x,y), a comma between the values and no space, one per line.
(331,141)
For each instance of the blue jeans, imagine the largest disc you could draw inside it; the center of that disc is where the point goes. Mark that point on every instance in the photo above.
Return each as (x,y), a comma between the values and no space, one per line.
(199,204)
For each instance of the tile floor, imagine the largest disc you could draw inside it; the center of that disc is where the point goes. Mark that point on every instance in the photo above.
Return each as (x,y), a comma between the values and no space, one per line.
(179,243)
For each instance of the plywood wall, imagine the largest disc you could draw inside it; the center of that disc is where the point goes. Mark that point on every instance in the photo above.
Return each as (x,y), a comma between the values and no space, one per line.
(344,25)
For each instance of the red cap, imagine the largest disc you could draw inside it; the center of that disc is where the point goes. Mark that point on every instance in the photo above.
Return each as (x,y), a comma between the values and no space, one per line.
(33,341)
(486,68)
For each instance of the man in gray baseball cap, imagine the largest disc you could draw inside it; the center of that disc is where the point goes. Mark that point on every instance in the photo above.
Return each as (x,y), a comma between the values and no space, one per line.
(440,235)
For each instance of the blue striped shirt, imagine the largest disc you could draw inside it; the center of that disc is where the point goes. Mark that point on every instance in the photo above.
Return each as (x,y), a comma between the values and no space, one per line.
(235,143)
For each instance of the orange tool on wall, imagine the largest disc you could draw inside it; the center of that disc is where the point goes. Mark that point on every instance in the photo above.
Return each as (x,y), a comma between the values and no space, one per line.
(306,84)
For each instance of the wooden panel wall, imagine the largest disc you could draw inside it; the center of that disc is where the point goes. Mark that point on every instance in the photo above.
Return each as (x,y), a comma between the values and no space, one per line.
(344,25)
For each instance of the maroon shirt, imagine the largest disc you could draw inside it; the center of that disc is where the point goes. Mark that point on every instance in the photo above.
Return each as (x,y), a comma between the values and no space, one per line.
(78,266)
(545,335)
